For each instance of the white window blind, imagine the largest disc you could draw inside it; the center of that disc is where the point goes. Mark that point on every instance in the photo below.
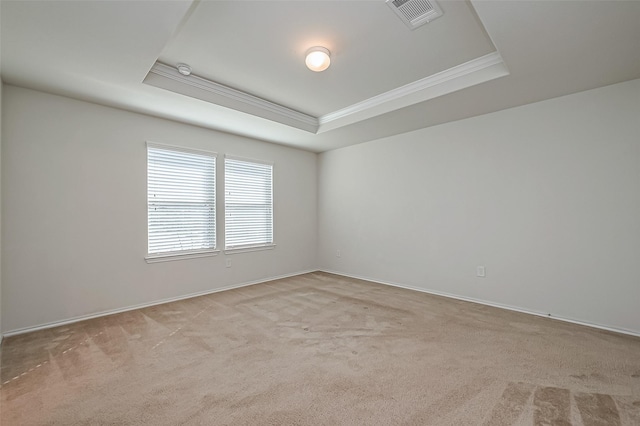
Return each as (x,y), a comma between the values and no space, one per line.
(181,200)
(248,203)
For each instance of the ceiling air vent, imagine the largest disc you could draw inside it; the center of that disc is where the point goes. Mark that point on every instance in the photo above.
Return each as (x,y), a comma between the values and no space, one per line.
(415,12)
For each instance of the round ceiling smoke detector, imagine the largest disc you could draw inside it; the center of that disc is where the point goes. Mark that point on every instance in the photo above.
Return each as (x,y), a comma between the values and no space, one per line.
(318,59)
(184,69)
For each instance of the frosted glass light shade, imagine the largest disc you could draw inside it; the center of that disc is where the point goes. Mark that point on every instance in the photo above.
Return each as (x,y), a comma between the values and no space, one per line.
(318,59)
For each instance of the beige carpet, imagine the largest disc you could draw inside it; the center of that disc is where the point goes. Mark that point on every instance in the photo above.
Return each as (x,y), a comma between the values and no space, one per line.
(320,349)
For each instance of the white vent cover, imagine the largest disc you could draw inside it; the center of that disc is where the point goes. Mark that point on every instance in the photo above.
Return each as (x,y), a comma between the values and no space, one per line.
(415,12)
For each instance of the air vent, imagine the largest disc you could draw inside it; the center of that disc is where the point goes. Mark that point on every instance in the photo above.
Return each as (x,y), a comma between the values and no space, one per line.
(415,12)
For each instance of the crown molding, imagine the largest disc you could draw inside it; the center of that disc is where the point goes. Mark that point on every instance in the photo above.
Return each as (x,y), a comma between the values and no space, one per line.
(435,85)
(476,71)
(232,98)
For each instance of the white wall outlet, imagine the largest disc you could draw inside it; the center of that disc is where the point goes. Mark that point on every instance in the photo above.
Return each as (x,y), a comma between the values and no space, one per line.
(227,263)
(480,271)
(337,253)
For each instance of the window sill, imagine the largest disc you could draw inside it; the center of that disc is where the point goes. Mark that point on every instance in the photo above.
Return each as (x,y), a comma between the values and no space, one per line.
(155,258)
(249,249)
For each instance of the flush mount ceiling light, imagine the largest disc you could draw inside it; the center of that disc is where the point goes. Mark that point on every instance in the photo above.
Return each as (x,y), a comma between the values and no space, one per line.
(184,69)
(318,59)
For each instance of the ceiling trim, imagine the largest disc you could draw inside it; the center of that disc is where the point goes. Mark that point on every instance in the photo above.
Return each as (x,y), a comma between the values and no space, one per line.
(476,71)
(305,121)
(421,90)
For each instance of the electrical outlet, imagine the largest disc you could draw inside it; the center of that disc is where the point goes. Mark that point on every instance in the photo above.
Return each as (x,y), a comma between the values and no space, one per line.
(337,253)
(227,263)
(480,271)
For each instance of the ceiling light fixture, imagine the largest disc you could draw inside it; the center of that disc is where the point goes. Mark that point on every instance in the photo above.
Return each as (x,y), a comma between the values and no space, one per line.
(184,69)
(318,59)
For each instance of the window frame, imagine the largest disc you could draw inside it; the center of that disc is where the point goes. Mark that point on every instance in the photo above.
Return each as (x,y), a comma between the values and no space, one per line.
(249,247)
(184,254)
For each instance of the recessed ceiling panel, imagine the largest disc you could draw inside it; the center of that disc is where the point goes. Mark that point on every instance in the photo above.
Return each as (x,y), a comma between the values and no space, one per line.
(258,48)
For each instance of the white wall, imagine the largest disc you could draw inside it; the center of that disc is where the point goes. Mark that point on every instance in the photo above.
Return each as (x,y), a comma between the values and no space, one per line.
(546,196)
(1,210)
(0,196)
(74,219)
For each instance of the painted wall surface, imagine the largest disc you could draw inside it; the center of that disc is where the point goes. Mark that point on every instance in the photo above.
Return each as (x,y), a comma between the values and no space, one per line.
(1,210)
(74,219)
(545,196)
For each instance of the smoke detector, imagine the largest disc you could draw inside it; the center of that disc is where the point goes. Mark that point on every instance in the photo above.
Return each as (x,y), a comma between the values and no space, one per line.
(184,69)
(415,12)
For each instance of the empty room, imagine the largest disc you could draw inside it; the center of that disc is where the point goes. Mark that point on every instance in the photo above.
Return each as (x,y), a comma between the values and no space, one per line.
(376,212)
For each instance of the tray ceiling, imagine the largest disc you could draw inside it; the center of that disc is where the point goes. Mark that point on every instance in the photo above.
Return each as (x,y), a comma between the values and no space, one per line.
(385,79)
(259,47)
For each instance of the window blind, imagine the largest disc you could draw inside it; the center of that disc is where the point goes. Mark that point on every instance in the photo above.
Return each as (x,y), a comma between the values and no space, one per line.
(181,200)
(248,203)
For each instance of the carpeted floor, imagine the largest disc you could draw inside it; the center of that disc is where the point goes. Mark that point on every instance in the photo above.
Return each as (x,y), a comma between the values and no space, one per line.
(320,349)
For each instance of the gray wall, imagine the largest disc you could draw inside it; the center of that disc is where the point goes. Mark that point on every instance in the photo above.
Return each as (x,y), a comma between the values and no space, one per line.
(545,196)
(74,219)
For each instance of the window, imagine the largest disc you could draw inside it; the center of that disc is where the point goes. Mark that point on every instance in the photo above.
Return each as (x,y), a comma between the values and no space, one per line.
(248,204)
(181,202)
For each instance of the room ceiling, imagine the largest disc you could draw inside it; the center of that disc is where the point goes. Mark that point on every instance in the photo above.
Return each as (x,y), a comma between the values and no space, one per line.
(373,51)
(248,67)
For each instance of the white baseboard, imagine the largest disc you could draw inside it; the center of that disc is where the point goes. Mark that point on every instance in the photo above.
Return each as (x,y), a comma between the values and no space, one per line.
(487,303)
(250,283)
(145,305)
